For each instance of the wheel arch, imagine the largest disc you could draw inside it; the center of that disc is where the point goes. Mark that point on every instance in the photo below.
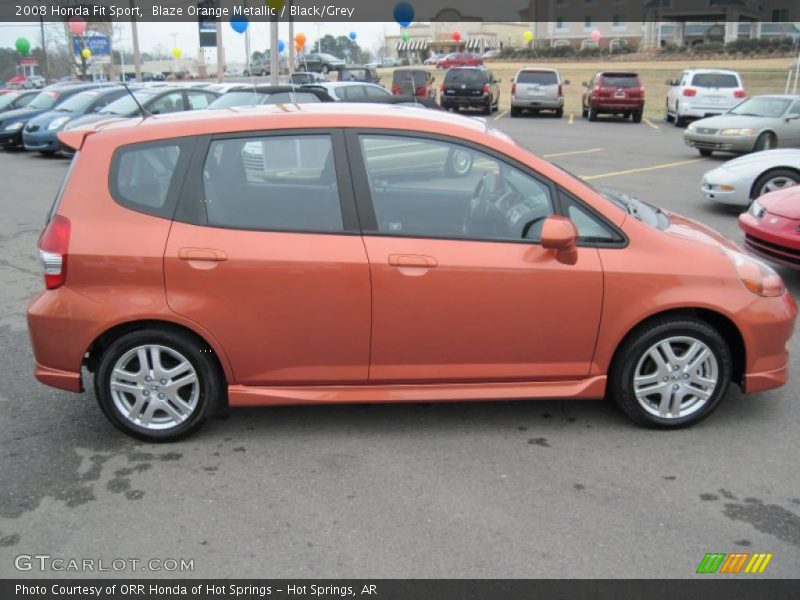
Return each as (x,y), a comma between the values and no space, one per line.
(722,323)
(770,170)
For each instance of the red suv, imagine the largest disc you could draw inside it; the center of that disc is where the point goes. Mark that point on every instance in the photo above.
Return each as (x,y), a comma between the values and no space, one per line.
(459,59)
(413,82)
(614,93)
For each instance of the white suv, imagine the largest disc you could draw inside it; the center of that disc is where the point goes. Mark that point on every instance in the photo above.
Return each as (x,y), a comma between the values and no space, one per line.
(700,93)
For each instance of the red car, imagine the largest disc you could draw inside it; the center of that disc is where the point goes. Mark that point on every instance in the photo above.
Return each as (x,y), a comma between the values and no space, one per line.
(772,227)
(459,59)
(614,93)
(413,82)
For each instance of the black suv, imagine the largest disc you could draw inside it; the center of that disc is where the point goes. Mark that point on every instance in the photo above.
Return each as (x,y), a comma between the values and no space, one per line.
(470,87)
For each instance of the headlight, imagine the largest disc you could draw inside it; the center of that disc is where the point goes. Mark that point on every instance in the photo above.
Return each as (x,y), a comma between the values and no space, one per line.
(691,127)
(757,210)
(56,123)
(15,126)
(756,276)
(747,131)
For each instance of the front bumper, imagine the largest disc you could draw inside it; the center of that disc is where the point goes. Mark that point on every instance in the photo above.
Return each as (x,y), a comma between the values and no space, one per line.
(774,238)
(720,143)
(716,186)
(10,139)
(41,141)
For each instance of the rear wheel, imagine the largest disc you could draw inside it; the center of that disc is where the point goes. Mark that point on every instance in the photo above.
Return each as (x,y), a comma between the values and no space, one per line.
(559,113)
(158,385)
(637,116)
(766,141)
(679,121)
(515,111)
(671,373)
(705,151)
(775,180)
(667,116)
(584,112)
(592,114)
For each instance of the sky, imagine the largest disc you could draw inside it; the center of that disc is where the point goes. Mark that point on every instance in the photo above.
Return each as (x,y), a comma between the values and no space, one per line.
(185,37)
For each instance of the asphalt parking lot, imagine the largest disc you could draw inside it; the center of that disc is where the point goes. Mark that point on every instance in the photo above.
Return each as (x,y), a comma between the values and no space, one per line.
(522,489)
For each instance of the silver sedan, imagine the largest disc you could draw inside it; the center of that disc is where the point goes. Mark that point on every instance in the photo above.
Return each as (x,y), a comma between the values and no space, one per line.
(759,123)
(740,181)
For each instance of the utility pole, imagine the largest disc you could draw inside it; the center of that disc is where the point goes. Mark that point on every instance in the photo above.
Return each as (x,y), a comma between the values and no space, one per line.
(137,57)
(291,39)
(247,42)
(174,37)
(273,51)
(220,54)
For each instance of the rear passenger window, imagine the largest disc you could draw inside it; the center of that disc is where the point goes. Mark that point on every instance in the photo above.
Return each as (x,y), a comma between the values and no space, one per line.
(274,183)
(143,176)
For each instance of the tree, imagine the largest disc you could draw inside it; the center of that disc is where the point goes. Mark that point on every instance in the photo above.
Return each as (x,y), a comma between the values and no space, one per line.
(343,47)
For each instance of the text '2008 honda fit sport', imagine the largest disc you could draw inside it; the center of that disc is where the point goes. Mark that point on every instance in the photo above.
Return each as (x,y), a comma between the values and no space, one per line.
(316,255)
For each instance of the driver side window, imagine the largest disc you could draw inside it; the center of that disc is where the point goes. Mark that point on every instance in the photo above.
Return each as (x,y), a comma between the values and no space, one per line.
(430,188)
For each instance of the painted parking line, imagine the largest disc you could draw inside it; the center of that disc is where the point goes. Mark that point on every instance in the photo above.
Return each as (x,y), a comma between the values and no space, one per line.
(501,115)
(573,153)
(571,118)
(650,123)
(643,169)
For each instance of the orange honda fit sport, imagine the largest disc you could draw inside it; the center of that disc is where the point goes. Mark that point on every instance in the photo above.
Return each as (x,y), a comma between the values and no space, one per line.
(313,255)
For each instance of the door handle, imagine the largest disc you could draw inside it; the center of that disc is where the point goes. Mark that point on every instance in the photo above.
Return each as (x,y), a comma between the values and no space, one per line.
(207,254)
(412,260)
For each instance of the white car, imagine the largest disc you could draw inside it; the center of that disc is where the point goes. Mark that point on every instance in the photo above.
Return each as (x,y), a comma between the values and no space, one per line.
(740,181)
(700,93)
(347,90)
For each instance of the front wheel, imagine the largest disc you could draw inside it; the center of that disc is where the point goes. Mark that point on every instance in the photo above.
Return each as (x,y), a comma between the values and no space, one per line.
(325,69)
(559,113)
(705,152)
(766,141)
(775,180)
(671,373)
(158,385)
(637,116)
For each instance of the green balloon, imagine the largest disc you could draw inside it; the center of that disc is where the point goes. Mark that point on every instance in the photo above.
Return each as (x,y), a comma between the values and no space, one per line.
(405,36)
(23,45)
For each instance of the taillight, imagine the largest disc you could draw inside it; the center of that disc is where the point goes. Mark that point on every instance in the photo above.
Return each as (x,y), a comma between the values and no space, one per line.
(690,92)
(396,90)
(513,88)
(739,94)
(560,90)
(53,248)
(641,92)
(420,90)
(485,88)
(441,88)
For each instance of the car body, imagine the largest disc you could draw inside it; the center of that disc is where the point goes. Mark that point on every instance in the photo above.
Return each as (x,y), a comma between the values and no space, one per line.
(362,74)
(13,121)
(347,90)
(37,81)
(180,244)
(700,93)
(14,99)
(258,67)
(432,59)
(758,123)
(19,82)
(470,87)
(224,88)
(153,76)
(459,59)
(385,62)
(613,92)
(537,88)
(397,100)
(772,227)
(740,181)
(491,53)
(306,77)
(268,94)
(320,62)
(413,82)
(40,133)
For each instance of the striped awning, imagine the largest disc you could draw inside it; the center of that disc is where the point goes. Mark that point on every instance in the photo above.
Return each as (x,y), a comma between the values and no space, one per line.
(413,45)
(486,42)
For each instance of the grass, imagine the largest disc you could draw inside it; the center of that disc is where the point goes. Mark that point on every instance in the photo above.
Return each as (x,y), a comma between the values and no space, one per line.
(760,75)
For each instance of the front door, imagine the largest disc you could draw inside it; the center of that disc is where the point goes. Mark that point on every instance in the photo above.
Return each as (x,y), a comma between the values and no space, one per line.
(270,264)
(462,290)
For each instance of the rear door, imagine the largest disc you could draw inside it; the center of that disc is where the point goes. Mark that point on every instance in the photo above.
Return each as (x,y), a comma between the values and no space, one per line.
(716,92)
(266,255)
(537,84)
(620,89)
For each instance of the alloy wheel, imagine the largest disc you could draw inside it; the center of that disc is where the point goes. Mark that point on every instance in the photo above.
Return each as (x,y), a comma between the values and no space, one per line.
(776,183)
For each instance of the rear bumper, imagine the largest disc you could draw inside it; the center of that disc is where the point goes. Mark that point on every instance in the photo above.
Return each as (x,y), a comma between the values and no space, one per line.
(464,100)
(553,103)
(701,112)
(617,107)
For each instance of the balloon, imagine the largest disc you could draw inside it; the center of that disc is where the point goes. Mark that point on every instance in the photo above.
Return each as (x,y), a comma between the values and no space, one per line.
(300,39)
(176,53)
(239,23)
(527,36)
(456,36)
(276,5)
(298,48)
(403,14)
(23,45)
(281,45)
(352,36)
(405,36)
(86,53)
(596,35)
(77,26)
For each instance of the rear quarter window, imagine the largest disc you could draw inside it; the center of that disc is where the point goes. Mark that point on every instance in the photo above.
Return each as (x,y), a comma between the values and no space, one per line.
(146,177)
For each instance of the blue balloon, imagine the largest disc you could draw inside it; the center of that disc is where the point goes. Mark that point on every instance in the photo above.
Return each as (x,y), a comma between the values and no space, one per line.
(281,46)
(353,36)
(403,14)
(239,23)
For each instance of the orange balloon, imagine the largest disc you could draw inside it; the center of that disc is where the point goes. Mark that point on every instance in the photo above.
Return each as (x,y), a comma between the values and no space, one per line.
(300,39)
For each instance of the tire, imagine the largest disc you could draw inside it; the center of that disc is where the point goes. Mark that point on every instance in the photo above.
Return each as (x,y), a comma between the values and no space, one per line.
(637,116)
(263,73)
(559,113)
(705,152)
(459,162)
(774,180)
(678,121)
(584,112)
(635,355)
(592,114)
(667,116)
(324,70)
(515,111)
(487,110)
(187,407)
(766,141)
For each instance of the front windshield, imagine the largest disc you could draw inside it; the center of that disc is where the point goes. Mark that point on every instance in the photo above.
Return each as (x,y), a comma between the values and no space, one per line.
(7,100)
(44,100)
(762,107)
(78,102)
(126,105)
(642,211)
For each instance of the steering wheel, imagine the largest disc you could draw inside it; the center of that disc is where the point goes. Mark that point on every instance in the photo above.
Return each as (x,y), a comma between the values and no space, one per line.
(479,204)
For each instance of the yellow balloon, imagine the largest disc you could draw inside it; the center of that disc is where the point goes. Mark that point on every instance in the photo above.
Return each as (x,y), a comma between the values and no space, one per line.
(527,36)
(176,52)
(86,53)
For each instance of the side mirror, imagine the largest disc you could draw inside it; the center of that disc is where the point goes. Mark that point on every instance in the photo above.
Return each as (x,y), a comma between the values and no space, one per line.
(584,84)
(792,118)
(671,82)
(560,234)
(565,82)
